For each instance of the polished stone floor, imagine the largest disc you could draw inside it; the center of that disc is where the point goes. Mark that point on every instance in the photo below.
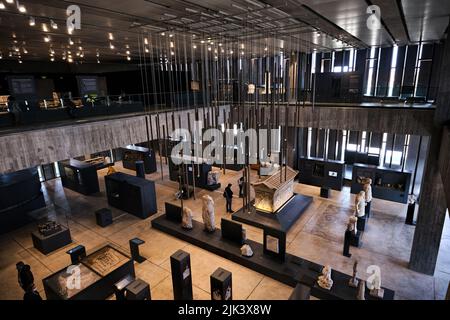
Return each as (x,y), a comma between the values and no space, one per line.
(316,236)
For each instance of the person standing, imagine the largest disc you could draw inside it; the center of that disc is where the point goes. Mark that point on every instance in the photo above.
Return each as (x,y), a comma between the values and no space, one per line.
(26,282)
(14,108)
(228,194)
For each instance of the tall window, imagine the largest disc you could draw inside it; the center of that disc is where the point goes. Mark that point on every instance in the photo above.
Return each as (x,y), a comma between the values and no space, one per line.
(393,68)
(370,72)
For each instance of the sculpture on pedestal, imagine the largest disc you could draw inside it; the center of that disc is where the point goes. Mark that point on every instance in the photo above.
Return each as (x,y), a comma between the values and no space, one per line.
(354,281)
(367,187)
(376,290)
(325,280)
(246,250)
(186,222)
(360,204)
(351,226)
(208,214)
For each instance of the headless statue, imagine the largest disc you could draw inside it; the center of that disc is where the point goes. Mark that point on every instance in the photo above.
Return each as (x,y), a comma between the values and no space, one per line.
(208,213)
(360,204)
(367,187)
(325,280)
(186,222)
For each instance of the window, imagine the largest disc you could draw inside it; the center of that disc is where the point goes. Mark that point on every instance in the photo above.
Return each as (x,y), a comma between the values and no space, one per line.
(370,72)
(393,68)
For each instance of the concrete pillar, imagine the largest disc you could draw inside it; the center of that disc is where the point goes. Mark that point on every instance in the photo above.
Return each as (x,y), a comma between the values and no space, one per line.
(431,215)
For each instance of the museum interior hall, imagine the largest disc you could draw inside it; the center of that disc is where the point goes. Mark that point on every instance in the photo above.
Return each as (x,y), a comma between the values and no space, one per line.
(224,150)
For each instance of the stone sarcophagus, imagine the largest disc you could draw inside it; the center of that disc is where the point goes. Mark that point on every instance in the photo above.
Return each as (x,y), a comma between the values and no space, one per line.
(272,193)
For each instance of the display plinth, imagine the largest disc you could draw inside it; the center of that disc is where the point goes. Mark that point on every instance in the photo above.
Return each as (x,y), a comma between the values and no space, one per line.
(180,263)
(288,272)
(221,285)
(55,241)
(282,220)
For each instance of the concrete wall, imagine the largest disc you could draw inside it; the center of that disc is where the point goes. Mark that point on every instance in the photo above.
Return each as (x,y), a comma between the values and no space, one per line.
(35,147)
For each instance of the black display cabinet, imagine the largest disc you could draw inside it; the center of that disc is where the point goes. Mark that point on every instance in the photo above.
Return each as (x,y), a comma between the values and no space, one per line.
(321,173)
(50,243)
(189,172)
(388,184)
(131,154)
(131,194)
(79,176)
(221,285)
(20,193)
(180,263)
(98,272)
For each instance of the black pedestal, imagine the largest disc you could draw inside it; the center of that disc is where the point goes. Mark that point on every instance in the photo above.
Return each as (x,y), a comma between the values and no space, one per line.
(138,290)
(180,263)
(368,209)
(47,244)
(221,285)
(355,239)
(325,192)
(140,169)
(361,224)
(347,240)
(76,254)
(103,217)
(410,214)
(121,285)
(134,249)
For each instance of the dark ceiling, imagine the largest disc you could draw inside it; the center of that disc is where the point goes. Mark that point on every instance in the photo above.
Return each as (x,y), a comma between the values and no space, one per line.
(303,25)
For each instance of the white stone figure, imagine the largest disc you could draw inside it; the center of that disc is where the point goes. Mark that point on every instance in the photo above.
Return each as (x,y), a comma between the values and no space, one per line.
(208,214)
(367,187)
(325,280)
(351,226)
(361,290)
(186,222)
(360,204)
(376,290)
(246,250)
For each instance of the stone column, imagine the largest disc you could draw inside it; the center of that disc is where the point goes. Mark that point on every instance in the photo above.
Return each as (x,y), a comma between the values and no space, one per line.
(431,215)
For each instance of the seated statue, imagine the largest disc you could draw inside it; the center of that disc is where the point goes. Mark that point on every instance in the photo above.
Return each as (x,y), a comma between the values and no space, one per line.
(325,280)
(360,204)
(186,222)
(208,213)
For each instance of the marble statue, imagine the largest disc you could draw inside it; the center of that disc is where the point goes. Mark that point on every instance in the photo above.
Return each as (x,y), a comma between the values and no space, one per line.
(361,290)
(246,250)
(351,226)
(354,281)
(376,290)
(325,280)
(186,222)
(367,187)
(208,213)
(360,204)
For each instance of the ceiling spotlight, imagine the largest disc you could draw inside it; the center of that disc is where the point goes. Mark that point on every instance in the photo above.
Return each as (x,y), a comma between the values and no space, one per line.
(70,60)
(209,48)
(32,22)
(98,54)
(98,61)
(53,24)
(2,6)
(220,44)
(128,58)
(47,39)
(20,61)
(52,59)
(9,1)
(231,51)
(202,41)
(21,8)
(145,40)
(110,36)
(146,50)
(111,46)
(80,48)
(14,35)
(70,29)
(194,46)
(265,49)
(44,27)
(127,52)
(70,42)
(170,35)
